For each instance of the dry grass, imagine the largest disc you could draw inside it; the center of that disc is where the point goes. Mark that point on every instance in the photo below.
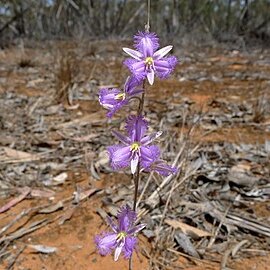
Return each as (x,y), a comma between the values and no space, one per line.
(260,108)
(26,63)
(65,74)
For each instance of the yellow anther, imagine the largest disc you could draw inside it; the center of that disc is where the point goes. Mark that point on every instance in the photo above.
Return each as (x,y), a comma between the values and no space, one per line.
(121,235)
(120,96)
(135,146)
(149,61)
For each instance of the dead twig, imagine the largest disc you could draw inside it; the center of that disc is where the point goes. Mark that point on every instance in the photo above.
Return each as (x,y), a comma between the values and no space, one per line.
(15,257)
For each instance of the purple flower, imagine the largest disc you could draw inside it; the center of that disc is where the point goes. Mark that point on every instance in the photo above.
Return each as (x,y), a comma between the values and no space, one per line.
(114,99)
(135,147)
(147,60)
(123,238)
(161,167)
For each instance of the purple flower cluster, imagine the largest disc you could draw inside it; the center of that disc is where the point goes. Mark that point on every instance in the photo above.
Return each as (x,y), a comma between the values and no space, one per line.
(136,149)
(114,99)
(147,61)
(123,235)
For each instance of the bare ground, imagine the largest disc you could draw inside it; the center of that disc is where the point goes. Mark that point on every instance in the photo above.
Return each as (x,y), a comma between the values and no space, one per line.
(56,184)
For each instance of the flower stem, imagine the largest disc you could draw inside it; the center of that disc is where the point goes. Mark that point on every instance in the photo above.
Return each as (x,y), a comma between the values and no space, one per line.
(147,27)
(136,177)
(136,183)
(141,104)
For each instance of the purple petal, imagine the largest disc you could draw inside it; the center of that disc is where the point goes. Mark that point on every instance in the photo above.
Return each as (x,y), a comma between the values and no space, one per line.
(126,218)
(105,243)
(162,52)
(116,108)
(148,139)
(135,54)
(118,249)
(134,163)
(107,97)
(149,154)
(136,127)
(131,84)
(135,92)
(109,100)
(161,167)
(120,156)
(146,43)
(151,76)
(124,139)
(136,229)
(137,68)
(165,66)
(130,244)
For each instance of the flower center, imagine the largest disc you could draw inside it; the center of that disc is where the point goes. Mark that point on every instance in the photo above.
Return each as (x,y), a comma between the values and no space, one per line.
(149,61)
(135,146)
(120,96)
(121,235)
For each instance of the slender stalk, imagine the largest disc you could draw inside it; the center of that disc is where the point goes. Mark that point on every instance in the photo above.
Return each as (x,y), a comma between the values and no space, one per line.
(130,263)
(136,177)
(140,108)
(136,183)
(147,26)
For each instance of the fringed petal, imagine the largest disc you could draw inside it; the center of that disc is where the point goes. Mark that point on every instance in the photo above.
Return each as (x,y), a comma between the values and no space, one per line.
(136,126)
(164,67)
(146,43)
(120,156)
(149,154)
(105,243)
(130,245)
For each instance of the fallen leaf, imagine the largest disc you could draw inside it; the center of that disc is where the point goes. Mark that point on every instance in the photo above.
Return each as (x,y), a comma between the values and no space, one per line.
(60,178)
(25,191)
(42,193)
(15,155)
(43,249)
(187,229)
(51,208)
(86,193)
(68,214)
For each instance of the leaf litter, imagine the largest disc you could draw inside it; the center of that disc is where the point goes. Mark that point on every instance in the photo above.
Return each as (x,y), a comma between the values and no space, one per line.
(217,120)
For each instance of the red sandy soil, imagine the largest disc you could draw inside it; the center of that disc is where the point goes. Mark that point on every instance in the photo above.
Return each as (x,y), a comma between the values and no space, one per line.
(74,239)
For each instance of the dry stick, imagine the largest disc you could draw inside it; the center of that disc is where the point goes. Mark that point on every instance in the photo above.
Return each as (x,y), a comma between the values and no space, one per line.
(212,240)
(145,187)
(15,257)
(166,208)
(151,200)
(149,179)
(175,185)
(18,217)
(21,232)
(189,257)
